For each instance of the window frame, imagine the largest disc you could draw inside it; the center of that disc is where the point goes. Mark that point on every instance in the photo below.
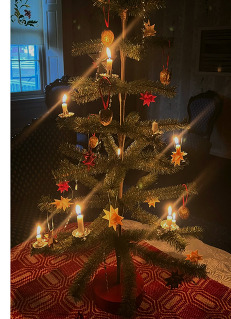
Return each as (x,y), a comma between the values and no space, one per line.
(200,29)
(37,93)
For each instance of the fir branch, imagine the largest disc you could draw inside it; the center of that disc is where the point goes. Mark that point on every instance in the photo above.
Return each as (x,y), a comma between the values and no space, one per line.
(132,51)
(195,231)
(134,7)
(71,151)
(90,267)
(141,215)
(172,124)
(87,47)
(172,238)
(109,145)
(87,89)
(158,258)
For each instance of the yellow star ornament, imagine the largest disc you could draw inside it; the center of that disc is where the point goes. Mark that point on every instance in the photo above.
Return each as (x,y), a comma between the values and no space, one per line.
(62,203)
(194,257)
(149,29)
(152,202)
(113,217)
(178,156)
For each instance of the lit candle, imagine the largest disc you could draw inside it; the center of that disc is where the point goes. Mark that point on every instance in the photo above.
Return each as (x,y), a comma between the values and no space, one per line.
(154,127)
(174,219)
(118,152)
(109,62)
(169,217)
(79,219)
(38,237)
(176,140)
(64,105)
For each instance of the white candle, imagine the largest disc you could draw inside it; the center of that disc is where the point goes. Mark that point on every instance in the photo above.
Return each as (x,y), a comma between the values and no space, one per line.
(154,127)
(174,218)
(169,217)
(64,105)
(79,219)
(118,152)
(109,62)
(38,237)
(176,140)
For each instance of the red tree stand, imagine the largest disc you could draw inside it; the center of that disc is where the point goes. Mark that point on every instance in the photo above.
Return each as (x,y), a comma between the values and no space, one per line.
(108,293)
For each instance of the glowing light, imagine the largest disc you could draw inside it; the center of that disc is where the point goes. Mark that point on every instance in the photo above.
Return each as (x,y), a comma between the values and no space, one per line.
(108,53)
(64,98)
(78,209)
(173,216)
(38,230)
(176,140)
(118,151)
(169,210)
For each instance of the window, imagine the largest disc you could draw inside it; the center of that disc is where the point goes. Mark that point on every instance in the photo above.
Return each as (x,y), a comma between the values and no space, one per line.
(215,53)
(25,68)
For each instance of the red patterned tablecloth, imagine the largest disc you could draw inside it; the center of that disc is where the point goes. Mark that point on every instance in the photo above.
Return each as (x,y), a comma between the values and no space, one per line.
(40,290)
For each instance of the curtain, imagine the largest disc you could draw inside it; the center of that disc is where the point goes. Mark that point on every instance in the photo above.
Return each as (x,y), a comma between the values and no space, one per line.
(21,34)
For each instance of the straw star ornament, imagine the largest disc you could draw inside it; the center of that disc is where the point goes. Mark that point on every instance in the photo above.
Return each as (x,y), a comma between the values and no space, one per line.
(113,217)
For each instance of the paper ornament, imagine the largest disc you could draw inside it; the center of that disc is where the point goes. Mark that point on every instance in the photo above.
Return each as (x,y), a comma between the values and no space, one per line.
(107,37)
(194,257)
(148,98)
(113,217)
(183,212)
(174,280)
(149,30)
(165,76)
(178,156)
(93,141)
(63,186)
(89,159)
(62,203)
(152,202)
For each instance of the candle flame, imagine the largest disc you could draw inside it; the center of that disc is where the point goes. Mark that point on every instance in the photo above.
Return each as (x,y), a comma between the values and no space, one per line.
(174,216)
(38,230)
(78,209)
(118,151)
(64,98)
(169,210)
(176,140)
(108,53)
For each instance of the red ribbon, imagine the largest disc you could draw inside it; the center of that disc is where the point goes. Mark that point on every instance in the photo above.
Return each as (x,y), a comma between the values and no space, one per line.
(107,20)
(186,195)
(167,56)
(105,105)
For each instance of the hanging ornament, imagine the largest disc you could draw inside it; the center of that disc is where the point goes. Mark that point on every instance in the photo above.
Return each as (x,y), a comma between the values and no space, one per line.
(174,280)
(165,74)
(183,210)
(105,115)
(63,186)
(149,30)
(62,203)
(194,257)
(148,98)
(152,202)
(178,156)
(113,217)
(107,36)
(89,159)
(93,141)
(155,128)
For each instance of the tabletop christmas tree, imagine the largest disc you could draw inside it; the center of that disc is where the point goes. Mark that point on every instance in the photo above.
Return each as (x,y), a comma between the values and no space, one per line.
(127,144)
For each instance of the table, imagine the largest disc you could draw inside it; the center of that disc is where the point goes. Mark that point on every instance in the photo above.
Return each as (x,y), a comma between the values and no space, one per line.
(40,289)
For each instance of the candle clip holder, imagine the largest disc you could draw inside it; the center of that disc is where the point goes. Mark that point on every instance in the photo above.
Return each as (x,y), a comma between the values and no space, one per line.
(164,225)
(40,244)
(65,115)
(81,235)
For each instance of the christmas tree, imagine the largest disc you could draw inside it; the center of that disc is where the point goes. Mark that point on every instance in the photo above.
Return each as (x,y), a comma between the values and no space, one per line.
(127,144)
